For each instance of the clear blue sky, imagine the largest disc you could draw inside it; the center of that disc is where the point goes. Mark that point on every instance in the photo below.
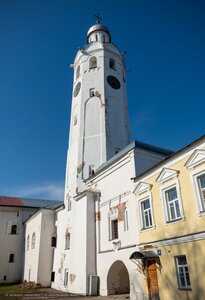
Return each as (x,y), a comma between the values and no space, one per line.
(165,44)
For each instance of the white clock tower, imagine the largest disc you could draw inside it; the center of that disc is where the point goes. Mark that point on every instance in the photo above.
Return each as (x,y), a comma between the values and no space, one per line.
(99,126)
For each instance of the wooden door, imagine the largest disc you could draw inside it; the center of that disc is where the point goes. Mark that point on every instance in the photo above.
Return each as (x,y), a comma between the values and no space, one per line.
(152,281)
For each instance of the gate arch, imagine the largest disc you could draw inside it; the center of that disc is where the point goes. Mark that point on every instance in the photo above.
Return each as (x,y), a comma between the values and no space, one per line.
(118,281)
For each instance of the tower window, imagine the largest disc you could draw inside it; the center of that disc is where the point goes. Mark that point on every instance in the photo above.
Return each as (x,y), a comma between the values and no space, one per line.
(112,63)
(92,92)
(33,241)
(93,62)
(114,228)
(78,72)
(14,229)
(11,258)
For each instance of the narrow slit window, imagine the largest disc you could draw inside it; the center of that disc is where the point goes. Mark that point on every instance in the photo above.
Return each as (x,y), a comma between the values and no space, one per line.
(78,72)
(112,63)
(33,241)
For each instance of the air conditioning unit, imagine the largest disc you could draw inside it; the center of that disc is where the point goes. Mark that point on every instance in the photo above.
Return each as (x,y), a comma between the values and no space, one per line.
(93,285)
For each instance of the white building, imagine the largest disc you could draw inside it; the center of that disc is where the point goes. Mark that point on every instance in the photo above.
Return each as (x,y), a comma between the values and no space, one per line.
(96,230)
(14,212)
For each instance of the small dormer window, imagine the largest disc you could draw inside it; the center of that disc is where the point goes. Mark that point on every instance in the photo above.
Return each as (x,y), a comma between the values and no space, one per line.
(78,72)
(112,63)
(93,62)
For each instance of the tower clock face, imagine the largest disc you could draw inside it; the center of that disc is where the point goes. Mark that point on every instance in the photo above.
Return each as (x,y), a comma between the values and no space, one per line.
(77,89)
(113,82)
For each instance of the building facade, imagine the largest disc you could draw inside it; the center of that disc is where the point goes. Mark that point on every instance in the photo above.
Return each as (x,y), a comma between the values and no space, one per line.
(171,213)
(14,212)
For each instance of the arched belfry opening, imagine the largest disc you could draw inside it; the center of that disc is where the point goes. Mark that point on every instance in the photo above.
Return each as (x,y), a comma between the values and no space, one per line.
(118,281)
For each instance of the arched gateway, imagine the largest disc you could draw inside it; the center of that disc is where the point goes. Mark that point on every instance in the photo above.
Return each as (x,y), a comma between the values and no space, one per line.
(118,281)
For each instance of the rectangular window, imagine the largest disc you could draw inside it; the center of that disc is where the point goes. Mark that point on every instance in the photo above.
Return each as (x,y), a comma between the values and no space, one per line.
(114,229)
(52,276)
(182,272)
(67,241)
(126,220)
(146,213)
(66,277)
(172,204)
(92,92)
(201,185)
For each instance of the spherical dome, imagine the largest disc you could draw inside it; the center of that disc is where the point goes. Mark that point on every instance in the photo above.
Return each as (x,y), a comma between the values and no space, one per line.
(98,28)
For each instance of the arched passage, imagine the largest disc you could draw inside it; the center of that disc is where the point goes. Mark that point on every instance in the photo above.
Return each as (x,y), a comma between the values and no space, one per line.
(118,281)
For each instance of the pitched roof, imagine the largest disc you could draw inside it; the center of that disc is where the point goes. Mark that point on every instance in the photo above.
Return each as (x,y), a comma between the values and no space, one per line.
(188,147)
(27,202)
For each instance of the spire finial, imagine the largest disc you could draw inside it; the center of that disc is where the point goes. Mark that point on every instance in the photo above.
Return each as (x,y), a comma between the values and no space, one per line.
(98,18)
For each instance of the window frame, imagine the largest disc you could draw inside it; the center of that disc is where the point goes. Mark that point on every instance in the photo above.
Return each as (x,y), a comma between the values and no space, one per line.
(142,213)
(197,192)
(113,229)
(178,273)
(167,215)
(113,217)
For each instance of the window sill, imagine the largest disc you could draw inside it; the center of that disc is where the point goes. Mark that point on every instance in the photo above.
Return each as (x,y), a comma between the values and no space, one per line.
(175,221)
(202,213)
(147,228)
(184,289)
